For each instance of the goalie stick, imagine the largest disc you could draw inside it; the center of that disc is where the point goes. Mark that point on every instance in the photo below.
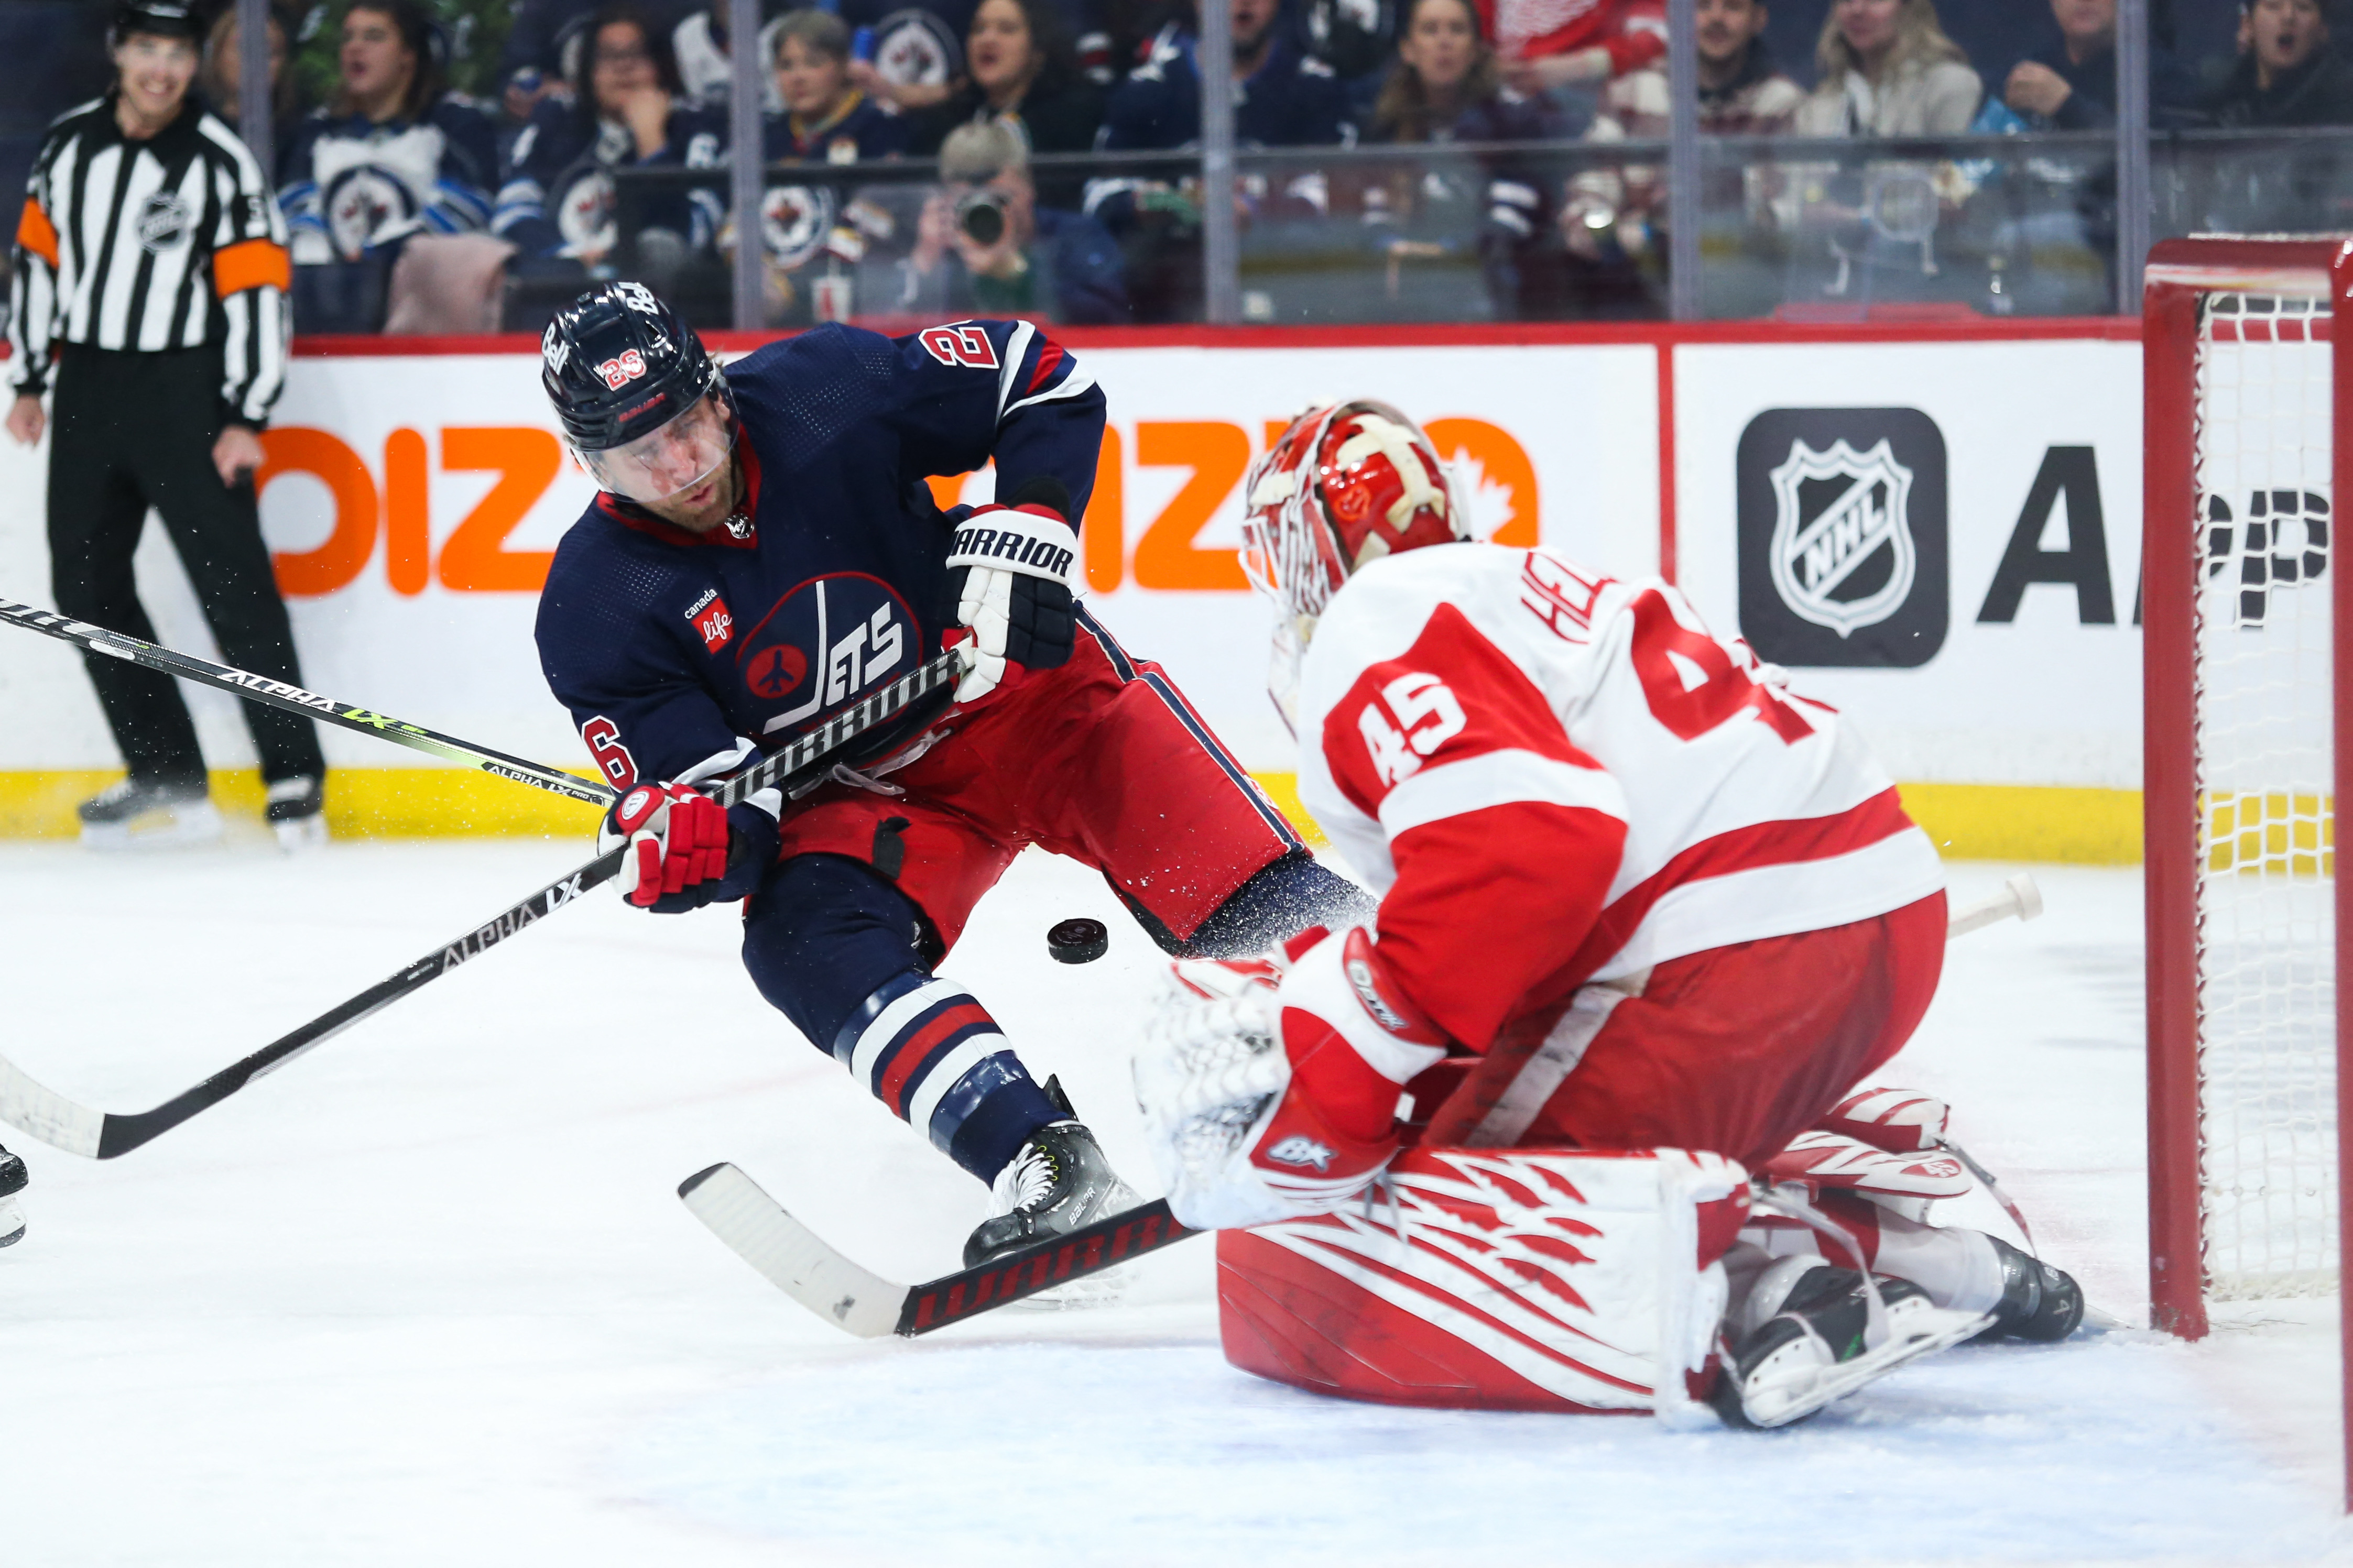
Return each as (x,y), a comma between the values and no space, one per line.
(797,769)
(294,699)
(805,1266)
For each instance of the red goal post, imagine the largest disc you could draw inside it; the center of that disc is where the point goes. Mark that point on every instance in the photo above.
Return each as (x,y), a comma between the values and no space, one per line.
(2247,623)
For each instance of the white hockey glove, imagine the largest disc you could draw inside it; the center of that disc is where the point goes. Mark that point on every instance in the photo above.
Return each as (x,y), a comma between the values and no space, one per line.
(1010,588)
(1270,1090)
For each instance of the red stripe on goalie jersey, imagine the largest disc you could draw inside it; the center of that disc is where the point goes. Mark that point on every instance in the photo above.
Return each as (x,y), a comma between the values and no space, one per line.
(1505,835)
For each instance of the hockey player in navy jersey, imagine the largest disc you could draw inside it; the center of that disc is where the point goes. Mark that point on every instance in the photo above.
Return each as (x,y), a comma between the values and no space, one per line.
(763,554)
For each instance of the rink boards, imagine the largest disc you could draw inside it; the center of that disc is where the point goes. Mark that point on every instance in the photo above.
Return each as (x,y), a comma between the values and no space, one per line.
(1936,527)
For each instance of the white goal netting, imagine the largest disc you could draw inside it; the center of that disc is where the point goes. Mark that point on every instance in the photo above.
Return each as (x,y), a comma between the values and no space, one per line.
(2267,983)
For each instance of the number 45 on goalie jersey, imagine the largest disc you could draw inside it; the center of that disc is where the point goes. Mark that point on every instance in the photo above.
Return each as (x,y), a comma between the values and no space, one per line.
(1553,776)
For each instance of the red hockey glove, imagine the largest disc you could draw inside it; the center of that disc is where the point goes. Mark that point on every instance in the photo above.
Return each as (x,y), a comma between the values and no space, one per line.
(676,837)
(1009,594)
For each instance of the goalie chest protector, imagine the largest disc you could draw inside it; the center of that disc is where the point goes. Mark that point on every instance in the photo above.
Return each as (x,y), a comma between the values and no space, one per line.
(1497,1280)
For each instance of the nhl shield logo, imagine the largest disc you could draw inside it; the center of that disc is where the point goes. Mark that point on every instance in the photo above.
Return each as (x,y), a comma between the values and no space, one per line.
(1841,520)
(1843,556)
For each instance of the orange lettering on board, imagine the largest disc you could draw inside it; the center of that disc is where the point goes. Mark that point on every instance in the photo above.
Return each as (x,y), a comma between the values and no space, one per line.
(526,458)
(407,520)
(1485,458)
(298,450)
(1103,540)
(1218,454)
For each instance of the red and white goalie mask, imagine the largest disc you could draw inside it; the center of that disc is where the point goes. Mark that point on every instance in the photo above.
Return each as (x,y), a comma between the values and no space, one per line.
(1347,484)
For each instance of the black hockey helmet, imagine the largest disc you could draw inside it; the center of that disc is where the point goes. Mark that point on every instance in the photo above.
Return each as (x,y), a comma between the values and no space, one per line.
(618,364)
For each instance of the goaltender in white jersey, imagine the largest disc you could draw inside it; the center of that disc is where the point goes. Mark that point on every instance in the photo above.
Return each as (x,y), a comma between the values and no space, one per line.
(1638,899)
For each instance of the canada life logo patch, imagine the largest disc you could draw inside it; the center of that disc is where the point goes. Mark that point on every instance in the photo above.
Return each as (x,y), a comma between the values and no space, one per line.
(710,619)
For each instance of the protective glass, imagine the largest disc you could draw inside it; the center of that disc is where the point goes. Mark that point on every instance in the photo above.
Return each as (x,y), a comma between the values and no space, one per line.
(678,457)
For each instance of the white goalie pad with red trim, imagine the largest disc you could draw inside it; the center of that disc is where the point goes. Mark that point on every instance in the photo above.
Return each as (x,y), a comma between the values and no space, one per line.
(1511,1280)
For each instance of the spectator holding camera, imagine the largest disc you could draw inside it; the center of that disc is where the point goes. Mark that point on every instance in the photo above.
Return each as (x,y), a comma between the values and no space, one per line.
(2289,73)
(1888,70)
(984,247)
(626,110)
(393,156)
(151,278)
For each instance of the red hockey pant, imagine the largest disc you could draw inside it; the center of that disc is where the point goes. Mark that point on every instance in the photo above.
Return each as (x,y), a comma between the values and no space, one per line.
(1735,1050)
(1101,760)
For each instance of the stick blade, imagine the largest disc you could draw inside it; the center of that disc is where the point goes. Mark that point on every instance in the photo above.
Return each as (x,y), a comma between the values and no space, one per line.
(794,1259)
(35,1108)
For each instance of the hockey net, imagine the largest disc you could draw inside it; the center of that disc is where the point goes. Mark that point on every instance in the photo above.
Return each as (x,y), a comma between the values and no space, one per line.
(2242,655)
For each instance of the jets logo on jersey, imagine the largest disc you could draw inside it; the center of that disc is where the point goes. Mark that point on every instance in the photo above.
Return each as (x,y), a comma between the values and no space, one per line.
(964,344)
(1842,553)
(710,618)
(624,369)
(824,645)
(795,221)
(1300,1151)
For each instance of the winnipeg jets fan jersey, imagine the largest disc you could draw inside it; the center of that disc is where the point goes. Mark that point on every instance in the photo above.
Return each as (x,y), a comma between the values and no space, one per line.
(1555,777)
(678,653)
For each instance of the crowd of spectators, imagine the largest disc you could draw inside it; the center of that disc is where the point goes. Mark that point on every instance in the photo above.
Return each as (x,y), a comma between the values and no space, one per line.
(1059,128)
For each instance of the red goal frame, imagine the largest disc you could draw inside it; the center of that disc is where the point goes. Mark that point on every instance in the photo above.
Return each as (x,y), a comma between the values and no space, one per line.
(2179,272)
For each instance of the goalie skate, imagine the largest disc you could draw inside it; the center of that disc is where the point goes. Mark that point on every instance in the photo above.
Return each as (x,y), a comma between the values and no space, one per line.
(1814,1340)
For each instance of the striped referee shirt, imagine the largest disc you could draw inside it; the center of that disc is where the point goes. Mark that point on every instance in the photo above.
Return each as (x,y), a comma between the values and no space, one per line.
(170,243)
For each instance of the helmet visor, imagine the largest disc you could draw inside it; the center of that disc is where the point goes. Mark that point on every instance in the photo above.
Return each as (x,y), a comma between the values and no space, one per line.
(675,457)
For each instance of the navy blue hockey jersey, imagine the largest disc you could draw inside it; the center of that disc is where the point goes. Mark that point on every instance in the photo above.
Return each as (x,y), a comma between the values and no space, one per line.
(671,649)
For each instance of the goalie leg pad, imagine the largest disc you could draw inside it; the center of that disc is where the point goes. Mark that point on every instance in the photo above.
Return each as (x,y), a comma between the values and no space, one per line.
(1478,1278)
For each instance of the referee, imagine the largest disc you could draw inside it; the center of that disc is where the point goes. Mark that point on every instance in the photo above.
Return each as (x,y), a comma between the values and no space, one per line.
(151,284)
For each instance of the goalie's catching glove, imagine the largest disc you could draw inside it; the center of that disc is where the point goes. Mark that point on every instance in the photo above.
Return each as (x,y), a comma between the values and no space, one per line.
(1008,586)
(1271,1091)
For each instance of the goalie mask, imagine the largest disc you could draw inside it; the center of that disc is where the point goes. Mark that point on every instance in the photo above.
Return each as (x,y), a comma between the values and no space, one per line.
(1347,484)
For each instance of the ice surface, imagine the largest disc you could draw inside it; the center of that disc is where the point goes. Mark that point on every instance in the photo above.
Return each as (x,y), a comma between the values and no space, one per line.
(426,1295)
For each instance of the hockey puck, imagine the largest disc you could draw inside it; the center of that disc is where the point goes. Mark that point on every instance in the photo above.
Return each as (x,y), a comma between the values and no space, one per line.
(1078,941)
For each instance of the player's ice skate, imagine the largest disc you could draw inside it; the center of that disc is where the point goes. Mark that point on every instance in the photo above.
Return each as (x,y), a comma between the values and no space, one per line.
(1811,1333)
(12,1215)
(1058,1183)
(148,814)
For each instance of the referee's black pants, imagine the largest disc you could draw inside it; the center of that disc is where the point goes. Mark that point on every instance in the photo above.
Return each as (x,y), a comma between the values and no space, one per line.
(129,431)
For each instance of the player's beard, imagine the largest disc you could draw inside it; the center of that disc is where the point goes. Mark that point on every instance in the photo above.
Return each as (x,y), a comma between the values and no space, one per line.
(700,507)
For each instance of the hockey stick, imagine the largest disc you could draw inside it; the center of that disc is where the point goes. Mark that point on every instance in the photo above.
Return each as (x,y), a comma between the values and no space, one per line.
(294,699)
(101,1136)
(805,1266)
(799,1263)
(2019,897)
